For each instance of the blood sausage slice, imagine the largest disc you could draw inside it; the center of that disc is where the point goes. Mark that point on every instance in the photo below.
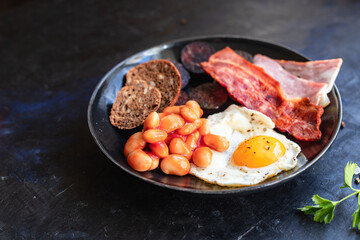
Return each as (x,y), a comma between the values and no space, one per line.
(247,56)
(185,75)
(183,98)
(194,53)
(209,95)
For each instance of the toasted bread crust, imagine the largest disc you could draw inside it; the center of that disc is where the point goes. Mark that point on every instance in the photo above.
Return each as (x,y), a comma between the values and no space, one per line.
(161,74)
(133,104)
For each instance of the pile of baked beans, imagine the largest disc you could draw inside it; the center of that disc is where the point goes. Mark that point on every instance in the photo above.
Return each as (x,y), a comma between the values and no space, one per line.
(177,136)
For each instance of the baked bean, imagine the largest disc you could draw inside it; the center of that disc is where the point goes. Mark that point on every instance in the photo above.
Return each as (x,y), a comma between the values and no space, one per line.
(175,165)
(154,164)
(139,160)
(178,146)
(171,122)
(155,160)
(188,114)
(193,104)
(202,157)
(174,135)
(152,121)
(160,149)
(192,140)
(154,135)
(216,142)
(189,127)
(161,115)
(196,107)
(205,127)
(172,109)
(134,142)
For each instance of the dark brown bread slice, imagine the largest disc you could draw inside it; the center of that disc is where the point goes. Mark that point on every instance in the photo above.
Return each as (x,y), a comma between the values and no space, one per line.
(161,74)
(133,104)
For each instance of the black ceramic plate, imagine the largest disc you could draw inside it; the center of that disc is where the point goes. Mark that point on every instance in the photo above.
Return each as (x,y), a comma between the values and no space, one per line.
(112,140)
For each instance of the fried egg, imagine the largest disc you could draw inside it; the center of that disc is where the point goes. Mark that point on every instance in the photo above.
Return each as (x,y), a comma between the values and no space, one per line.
(256,151)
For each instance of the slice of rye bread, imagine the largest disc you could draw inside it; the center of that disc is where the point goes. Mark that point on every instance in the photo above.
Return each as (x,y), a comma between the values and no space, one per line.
(161,74)
(133,104)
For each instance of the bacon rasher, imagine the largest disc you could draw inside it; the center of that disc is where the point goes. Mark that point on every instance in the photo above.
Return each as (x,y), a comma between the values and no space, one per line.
(255,89)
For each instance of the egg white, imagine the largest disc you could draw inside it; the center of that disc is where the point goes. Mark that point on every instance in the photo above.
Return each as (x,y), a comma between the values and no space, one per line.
(238,124)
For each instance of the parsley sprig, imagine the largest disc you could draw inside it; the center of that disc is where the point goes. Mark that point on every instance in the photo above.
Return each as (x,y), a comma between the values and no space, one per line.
(323,211)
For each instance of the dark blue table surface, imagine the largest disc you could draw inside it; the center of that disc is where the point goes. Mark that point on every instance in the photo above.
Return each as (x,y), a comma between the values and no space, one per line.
(55,183)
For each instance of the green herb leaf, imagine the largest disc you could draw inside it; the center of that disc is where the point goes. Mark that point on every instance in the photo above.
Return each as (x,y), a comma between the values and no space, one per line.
(323,210)
(349,173)
(325,214)
(356,218)
(319,200)
(356,215)
(309,209)
(326,211)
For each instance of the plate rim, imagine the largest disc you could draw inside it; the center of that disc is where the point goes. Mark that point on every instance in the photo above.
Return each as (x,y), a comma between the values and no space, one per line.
(235,190)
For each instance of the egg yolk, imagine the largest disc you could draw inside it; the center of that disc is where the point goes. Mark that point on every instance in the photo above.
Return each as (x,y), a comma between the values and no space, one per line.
(258,151)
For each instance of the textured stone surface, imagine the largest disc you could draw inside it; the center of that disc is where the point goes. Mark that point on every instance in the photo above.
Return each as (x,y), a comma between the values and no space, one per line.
(56,184)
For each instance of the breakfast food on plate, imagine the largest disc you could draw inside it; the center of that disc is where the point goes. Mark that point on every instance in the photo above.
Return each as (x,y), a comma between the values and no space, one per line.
(209,95)
(183,98)
(255,89)
(292,86)
(247,56)
(161,74)
(177,136)
(194,53)
(256,151)
(236,147)
(133,104)
(185,75)
(320,71)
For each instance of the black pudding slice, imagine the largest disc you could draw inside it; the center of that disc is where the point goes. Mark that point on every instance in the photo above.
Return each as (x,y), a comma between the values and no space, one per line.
(209,95)
(247,56)
(185,75)
(194,53)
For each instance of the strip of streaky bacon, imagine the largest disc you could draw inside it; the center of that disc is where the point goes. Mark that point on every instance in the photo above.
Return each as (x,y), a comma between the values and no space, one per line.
(293,86)
(321,71)
(255,89)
